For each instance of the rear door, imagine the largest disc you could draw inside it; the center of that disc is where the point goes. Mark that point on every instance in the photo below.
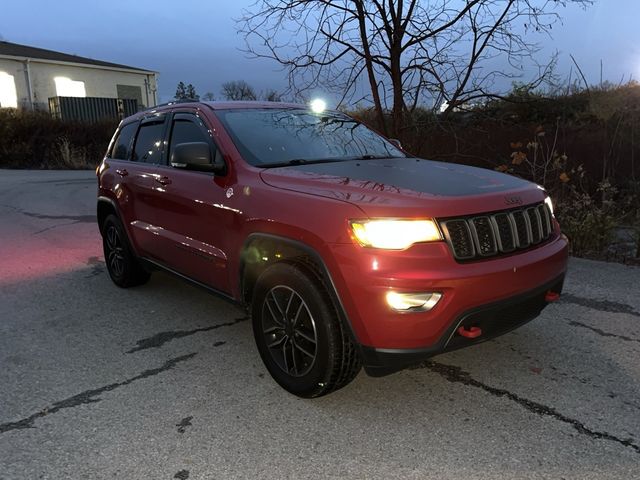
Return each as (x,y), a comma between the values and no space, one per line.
(147,151)
(131,181)
(190,209)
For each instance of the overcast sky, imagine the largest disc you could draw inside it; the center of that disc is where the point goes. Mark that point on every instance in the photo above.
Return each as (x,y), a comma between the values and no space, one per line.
(196,41)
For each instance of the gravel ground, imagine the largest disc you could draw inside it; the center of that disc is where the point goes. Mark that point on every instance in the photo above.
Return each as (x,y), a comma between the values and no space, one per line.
(163,381)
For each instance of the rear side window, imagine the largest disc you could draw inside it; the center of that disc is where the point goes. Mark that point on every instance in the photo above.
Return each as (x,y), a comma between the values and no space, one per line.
(148,147)
(122,145)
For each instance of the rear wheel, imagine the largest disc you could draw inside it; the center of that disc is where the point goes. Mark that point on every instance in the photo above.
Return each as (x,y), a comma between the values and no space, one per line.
(299,336)
(124,268)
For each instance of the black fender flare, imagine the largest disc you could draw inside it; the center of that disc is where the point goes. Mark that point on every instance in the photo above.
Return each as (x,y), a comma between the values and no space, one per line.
(318,261)
(102,200)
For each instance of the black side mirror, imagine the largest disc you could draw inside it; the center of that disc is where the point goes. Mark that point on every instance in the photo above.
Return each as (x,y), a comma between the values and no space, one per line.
(396,142)
(194,156)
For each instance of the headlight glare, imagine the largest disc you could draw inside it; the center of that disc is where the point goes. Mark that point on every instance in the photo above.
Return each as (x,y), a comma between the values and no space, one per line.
(549,203)
(394,234)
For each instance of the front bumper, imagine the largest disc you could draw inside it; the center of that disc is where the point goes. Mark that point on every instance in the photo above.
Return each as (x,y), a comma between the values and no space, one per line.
(365,275)
(494,319)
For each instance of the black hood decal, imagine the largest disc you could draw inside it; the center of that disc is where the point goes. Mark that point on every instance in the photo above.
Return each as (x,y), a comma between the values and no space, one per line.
(423,176)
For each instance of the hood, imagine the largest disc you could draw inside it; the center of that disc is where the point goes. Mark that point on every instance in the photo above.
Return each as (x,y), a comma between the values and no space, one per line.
(406,186)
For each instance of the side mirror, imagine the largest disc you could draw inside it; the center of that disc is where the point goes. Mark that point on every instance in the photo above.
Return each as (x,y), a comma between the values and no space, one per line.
(194,156)
(396,142)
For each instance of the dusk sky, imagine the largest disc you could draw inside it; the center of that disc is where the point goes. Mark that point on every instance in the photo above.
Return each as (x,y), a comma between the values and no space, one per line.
(196,41)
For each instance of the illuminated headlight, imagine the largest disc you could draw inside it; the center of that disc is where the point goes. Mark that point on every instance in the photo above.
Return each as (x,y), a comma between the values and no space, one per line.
(549,204)
(395,234)
(413,302)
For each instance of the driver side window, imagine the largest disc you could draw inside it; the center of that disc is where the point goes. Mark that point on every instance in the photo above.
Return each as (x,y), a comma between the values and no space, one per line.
(188,128)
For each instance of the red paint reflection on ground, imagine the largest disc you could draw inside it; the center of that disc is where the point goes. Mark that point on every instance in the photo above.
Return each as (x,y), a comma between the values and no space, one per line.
(28,255)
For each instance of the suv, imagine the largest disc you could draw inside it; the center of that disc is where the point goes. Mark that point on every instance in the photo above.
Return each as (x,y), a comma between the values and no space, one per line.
(347,251)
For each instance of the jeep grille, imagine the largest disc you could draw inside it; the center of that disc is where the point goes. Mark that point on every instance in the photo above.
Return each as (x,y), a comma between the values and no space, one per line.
(497,233)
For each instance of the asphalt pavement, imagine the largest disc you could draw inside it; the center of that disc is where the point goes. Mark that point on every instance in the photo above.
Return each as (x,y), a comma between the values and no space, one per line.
(163,381)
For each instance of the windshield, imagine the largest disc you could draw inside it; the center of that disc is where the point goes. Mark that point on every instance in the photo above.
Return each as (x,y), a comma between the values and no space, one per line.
(274,137)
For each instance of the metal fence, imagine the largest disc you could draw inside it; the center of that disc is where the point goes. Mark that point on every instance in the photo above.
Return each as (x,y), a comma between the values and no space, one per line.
(91,109)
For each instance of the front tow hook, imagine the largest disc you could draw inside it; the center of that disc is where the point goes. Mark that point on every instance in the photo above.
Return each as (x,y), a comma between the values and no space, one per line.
(473,332)
(552,296)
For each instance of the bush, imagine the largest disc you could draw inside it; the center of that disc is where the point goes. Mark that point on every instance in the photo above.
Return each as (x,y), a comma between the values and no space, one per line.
(36,140)
(588,224)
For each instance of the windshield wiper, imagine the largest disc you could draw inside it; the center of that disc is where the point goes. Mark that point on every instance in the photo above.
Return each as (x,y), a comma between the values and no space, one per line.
(370,157)
(299,161)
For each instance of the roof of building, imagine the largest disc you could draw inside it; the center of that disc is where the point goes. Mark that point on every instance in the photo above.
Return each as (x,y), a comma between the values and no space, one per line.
(25,51)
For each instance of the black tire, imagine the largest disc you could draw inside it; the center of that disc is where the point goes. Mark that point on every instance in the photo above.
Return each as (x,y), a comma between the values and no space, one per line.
(290,309)
(124,268)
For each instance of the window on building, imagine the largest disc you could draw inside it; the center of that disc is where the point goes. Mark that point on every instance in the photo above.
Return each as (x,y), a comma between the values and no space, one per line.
(148,146)
(132,92)
(122,145)
(8,94)
(65,87)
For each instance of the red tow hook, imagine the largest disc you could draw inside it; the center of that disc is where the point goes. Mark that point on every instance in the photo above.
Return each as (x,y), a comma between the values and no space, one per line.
(473,332)
(552,296)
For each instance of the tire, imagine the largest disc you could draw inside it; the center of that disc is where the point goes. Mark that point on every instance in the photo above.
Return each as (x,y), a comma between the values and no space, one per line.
(124,268)
(299,336)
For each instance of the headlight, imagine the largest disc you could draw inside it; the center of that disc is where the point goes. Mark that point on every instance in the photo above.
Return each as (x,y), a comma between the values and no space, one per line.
(549,203)
(394,234)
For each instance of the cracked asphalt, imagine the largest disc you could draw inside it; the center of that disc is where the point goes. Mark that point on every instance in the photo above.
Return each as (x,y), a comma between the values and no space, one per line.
(163,381)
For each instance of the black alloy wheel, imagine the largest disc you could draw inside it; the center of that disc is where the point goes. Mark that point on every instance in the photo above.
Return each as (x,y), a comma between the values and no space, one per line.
(124,268)
(289,330)
(300,336)
(114,251)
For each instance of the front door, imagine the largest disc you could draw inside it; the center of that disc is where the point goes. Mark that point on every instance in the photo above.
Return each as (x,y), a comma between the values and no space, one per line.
(191,210)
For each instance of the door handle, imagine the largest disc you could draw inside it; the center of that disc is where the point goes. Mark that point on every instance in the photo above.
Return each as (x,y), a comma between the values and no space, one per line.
(122,172)
(164,180)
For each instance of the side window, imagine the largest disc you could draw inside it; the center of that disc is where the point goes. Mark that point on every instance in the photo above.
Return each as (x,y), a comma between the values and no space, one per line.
(122,145)
(185,131)
(188,128)
(148,147)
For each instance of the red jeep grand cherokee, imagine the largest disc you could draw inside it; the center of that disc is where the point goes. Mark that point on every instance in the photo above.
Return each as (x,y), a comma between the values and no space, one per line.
(347,250)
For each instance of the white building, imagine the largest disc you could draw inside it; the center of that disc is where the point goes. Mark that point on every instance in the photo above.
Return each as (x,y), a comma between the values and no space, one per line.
(29,76)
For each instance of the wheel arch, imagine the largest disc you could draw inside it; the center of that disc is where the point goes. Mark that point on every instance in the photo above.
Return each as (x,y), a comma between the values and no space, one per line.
(261,250)
(105,207)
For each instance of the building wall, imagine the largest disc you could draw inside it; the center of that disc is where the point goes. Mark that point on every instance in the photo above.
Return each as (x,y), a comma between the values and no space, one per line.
(98,82)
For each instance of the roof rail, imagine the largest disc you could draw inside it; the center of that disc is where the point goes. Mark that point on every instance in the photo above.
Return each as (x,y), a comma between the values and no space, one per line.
(174,102)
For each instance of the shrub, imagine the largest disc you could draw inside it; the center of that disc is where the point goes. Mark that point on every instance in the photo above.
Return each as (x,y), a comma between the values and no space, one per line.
(36,140)
(589,224)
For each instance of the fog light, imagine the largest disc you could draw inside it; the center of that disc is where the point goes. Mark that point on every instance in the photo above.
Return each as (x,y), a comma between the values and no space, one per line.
(413,302)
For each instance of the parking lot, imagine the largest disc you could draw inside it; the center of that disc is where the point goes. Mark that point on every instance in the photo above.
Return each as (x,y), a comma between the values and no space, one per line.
(163,381)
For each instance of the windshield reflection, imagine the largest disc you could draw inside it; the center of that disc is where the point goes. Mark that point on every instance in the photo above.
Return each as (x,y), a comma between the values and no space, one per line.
(274,137)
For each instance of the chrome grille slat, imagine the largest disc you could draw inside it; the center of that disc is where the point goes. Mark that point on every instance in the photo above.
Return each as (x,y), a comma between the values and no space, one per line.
(534,224)
(459,237)
(505,232)
(483,235)
(498,233)
(522,228)
(545,217)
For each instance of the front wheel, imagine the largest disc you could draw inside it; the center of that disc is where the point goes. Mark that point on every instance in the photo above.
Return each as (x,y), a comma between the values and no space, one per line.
(298,333)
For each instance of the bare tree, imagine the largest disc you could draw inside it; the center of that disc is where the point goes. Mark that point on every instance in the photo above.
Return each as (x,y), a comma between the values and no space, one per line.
(271,95)
(208,97)
(407,52)
(238,90)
